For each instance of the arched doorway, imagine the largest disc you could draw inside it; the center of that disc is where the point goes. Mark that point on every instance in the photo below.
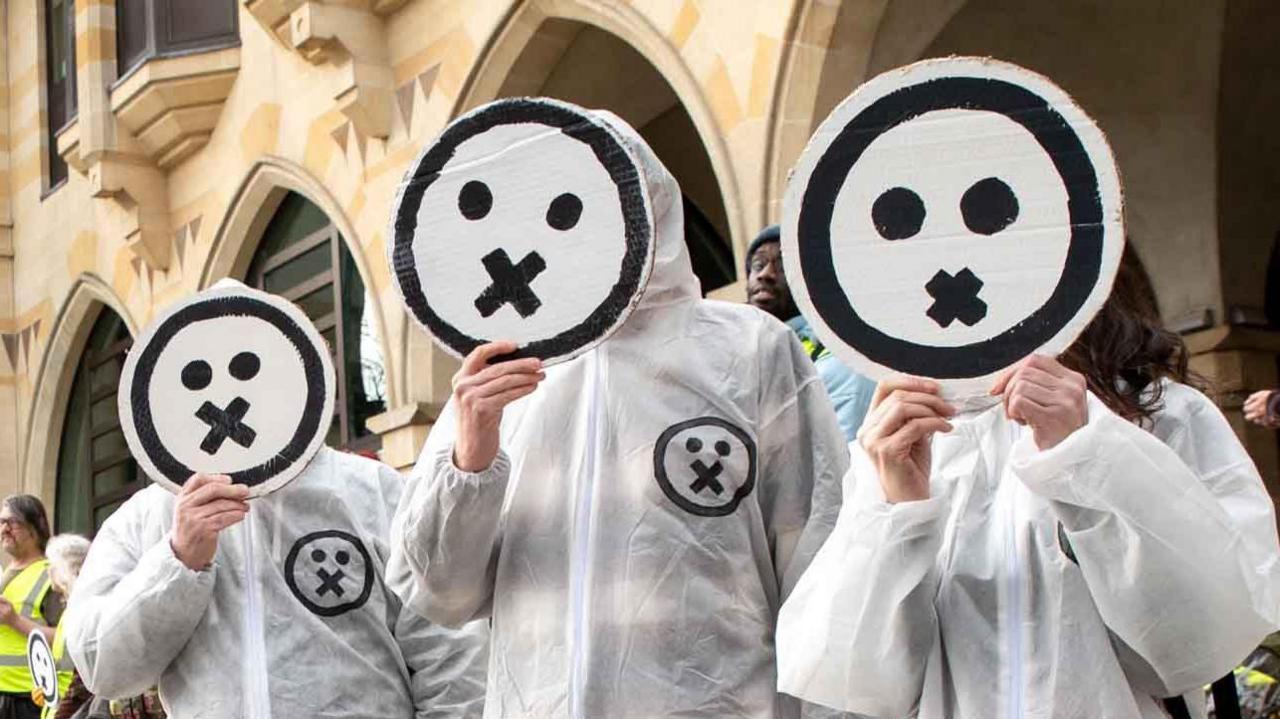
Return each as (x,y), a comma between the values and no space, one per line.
(96,472)
(303,258)
(581,63)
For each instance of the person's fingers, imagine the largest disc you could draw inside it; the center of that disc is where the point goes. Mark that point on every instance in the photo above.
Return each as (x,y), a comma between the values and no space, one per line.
(917,429)
(1022,408)
(213,491)
(222,520)
(1046,396)
(1037,376)
(938,404)
(1048,364)
(198,480)
(505,383)
(895,415)
(217,506)
(481,355)
(903,382)
(502,399)
(527,365)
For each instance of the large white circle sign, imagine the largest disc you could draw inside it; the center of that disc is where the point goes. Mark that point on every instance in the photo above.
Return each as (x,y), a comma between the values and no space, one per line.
(526,220)
(950,218)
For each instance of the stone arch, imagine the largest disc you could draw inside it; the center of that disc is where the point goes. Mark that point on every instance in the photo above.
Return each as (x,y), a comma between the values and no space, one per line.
(88,296)
(532,40)
(265,186)
(833,48)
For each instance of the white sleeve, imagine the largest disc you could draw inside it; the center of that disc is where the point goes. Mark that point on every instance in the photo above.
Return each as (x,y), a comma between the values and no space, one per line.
(133,608)
(1180,558)
(447,532)
(856,629)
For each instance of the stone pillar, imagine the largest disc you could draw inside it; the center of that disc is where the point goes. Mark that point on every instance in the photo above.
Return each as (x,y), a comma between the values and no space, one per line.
(403,430)
(8,331)
(1239,361)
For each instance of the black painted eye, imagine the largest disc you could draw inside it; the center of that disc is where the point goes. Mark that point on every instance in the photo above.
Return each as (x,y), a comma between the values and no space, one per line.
(989,206)
(693,444)
(342,557)
(898,213)
(317,555)
(244,366)
(722,448)
(475,200)
(564,211)
(197,375)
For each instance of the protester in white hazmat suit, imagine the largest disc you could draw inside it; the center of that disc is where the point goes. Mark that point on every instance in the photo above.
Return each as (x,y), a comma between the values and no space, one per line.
(1096,543)
(141,614)
(593,526)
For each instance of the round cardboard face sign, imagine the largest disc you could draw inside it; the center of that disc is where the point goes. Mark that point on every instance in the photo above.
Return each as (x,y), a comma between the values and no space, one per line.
(230,381)
(950,218)
(43,667)
(527,220)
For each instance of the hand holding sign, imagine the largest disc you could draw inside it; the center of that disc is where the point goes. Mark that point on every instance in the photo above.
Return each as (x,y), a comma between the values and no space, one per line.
(481,391)
(905,414)
(1046,396)
(208,504)
(43,667)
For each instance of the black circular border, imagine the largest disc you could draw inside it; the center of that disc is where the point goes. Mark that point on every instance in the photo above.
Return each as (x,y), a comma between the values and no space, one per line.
(1084,254)
(292,559)
(36,638)
(613,157)
(660,468)
(237,305)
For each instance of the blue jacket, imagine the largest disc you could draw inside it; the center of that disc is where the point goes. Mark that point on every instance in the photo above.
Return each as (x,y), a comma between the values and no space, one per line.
(850,392)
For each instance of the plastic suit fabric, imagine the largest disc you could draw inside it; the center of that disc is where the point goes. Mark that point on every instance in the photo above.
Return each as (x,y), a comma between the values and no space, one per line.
(970,604)
(139,616)
(608,598)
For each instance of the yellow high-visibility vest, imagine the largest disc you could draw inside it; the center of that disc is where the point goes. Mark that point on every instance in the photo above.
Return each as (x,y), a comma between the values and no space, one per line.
(26,593)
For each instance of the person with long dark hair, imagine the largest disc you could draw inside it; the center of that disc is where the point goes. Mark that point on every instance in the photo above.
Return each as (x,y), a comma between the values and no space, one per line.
(1097,544)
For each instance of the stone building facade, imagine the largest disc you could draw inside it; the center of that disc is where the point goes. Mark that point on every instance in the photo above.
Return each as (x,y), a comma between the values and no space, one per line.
(149,148)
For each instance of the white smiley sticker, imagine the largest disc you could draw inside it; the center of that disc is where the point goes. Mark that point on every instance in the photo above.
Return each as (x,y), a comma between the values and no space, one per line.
(527,220)
(231,381)
(950,218)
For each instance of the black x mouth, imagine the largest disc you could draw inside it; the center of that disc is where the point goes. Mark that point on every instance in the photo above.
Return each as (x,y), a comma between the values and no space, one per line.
(955,298)
(707,477)
(330,582)
(225,424)
(510,283)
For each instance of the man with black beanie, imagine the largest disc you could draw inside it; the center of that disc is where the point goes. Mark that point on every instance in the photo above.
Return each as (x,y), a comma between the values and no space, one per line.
(767,290)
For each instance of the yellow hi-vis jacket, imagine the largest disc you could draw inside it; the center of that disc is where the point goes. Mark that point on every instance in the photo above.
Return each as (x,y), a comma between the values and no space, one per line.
(26,593)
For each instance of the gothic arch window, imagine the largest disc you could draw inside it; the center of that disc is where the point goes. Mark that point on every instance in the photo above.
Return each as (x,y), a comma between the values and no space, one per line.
(96,473)
(303,258)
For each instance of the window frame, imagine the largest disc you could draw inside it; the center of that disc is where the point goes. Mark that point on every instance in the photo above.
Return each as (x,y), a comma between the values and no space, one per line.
(54,164)
(158,22)
(260,266)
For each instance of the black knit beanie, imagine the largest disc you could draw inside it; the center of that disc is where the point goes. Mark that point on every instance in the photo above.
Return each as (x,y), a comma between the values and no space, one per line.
(772,233)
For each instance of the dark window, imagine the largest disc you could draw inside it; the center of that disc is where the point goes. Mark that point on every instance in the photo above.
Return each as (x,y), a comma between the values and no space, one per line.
(147,28)
(96,473)
(302,258)
(710,255)
(60,77)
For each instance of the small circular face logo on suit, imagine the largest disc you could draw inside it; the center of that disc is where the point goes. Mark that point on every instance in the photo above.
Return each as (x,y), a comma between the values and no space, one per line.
(950,218)
(231,381)
(44,669)
(706,466)
(527,220)
(330,572)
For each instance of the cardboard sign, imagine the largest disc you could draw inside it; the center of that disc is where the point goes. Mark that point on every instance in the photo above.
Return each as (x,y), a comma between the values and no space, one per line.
(230,381)
(950,218)
(527,220)
(43,667)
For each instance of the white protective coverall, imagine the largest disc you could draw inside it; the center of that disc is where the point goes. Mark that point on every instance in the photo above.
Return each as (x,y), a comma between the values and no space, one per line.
(608,599)
(139,616)
(968,604)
